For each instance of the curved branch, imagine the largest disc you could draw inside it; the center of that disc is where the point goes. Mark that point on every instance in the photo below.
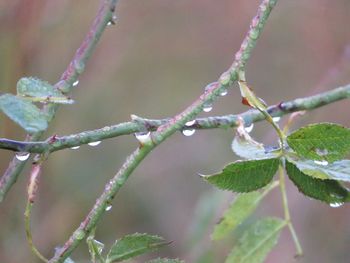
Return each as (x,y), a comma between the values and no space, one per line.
(138,124)
(165,130)
(65,84)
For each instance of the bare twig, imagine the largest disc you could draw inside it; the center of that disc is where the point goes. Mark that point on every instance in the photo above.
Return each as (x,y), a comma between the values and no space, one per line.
(71,74)
(165,130)
(138,124)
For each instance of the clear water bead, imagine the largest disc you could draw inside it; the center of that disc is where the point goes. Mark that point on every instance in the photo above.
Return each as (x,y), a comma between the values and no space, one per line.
(223,92)
(324,162)
(22,156)
(336,204)
(276,119)
(249,128)
(142,136)
(190,123)
(94,143)
(75,83)
(207,107)
(108,208)
(188,132)
(75,147)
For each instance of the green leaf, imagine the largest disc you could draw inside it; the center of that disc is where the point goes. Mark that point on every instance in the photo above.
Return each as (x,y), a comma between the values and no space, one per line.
(245,176)
(245,146)
(134,245)
(257,241)
(239,210)
(24,113)
(339,170)
(329,191)
(203,216)
(322,141)
(40,91)
(165,260)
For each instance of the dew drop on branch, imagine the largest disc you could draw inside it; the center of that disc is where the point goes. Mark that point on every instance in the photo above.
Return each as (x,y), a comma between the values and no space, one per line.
(22,156)
(223,92)
(108,208)
(336,204)
(94,143)
(75,83)
(249,128)
(190,123)
(142,136)
(188,132)
(207,107)
(75,147)
(323,162)
(276,119)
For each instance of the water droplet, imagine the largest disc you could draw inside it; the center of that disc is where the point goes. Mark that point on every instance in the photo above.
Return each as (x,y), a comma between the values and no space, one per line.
(75,83)
(109,23)
(249,128)
(336,204)
(143,136)
(225,78)
(276,119)
(190,123)
(223,92)
(79,234)
(188,132)
(324,162)
(94,143)
(75,147)
(108,208)
(22,156)
(207,107)
(210,86)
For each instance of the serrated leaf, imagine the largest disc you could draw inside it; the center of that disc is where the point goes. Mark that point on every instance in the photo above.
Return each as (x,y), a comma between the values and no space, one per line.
(257,241)
(134,245)
(24,113)
(245,146)
(40,91)
(329,191)
(245,176)
(339,170)
(165,260)
(239,210)
(322,141)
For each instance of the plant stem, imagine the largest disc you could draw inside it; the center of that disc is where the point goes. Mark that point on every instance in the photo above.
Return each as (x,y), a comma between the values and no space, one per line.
(56,143)
(65,84)
(286,211)
(164,131)
(111,189)
(27,215)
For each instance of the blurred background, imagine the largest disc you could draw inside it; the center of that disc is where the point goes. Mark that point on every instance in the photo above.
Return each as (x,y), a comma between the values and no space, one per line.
(154,63)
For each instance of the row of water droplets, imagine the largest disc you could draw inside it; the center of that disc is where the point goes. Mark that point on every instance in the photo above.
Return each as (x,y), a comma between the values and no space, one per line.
(93,144)
(207,106)
(23,156)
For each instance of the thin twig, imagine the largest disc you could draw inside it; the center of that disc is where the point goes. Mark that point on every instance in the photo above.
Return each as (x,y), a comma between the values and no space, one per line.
(164,131)
(56,143)
(71,74)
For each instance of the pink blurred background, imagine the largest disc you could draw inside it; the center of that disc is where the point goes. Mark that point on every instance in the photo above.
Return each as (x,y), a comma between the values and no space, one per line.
(154,63)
